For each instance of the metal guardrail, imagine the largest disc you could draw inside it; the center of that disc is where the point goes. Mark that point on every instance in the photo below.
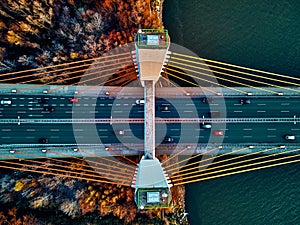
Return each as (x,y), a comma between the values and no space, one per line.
(157,120)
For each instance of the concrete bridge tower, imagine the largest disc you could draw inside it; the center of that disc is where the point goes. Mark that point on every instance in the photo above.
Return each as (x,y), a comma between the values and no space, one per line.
(151,183)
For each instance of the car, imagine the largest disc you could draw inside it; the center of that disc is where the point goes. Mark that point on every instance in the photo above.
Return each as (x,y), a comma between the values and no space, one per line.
(207,100)
(205,125)
(121,132)
(140,101)
(168,139)
(43,140)
(164,108)
(289,137)
(245,101)
(73,99)
(218,133)
(43,101)
(49,109)
(5,102)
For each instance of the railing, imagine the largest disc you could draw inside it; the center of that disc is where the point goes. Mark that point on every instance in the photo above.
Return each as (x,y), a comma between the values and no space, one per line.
(157,120)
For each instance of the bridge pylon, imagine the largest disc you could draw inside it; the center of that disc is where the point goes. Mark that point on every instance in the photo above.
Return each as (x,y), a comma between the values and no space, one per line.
(151,183)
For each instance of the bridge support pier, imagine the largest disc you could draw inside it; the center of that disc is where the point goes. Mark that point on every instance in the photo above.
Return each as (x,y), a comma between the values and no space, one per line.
(151,183)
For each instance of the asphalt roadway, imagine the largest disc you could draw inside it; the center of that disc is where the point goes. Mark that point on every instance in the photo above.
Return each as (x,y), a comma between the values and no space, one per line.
(107,107)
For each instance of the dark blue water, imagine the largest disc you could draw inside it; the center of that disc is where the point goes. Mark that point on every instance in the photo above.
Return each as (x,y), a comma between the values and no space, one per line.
(261,34)
(257,34)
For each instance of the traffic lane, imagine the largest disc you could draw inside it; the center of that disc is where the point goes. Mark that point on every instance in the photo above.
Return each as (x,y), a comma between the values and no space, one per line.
(69,134)
(259,107)
(85,109)
(260,133)
(233,133)
(263,107)
(133,133)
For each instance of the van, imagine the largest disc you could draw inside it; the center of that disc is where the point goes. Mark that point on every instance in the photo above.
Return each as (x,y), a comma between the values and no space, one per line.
(140,102)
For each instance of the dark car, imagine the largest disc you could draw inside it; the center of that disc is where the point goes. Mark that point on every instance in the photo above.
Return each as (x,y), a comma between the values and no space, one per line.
(43,141)
(207,100)
(43,101)
(245,101)
(49,109)
(164,108)
(168,139)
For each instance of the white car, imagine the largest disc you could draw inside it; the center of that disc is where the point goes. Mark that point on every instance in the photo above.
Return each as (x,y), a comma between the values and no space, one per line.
(205,125)
(290,137)
(5,102)
(140,101)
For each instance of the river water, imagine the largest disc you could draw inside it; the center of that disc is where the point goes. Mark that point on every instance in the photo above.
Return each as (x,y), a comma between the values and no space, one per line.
(263,35)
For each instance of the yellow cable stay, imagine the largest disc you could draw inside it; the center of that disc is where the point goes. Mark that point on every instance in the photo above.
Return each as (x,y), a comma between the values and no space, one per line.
(187,175)
(204,160)
(208,81)
(235,66)
(62,64)
(243,78)
(107,165)
(73,72)
(71,174)
(235,71)
(180,182)
(62,175)
(226,160)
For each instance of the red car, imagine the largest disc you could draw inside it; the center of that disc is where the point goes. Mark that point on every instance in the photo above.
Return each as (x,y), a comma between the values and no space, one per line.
(74,100)
(218,133)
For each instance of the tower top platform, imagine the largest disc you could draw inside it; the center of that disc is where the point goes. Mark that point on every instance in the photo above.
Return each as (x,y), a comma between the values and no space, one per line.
(152,39)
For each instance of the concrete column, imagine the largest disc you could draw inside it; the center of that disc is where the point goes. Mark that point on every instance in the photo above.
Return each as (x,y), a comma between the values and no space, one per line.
(149,115)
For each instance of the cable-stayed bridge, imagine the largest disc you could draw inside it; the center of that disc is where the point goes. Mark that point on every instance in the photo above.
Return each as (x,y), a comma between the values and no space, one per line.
(228,111)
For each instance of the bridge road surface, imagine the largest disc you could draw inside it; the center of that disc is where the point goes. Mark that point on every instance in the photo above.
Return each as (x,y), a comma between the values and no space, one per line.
(28,107)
